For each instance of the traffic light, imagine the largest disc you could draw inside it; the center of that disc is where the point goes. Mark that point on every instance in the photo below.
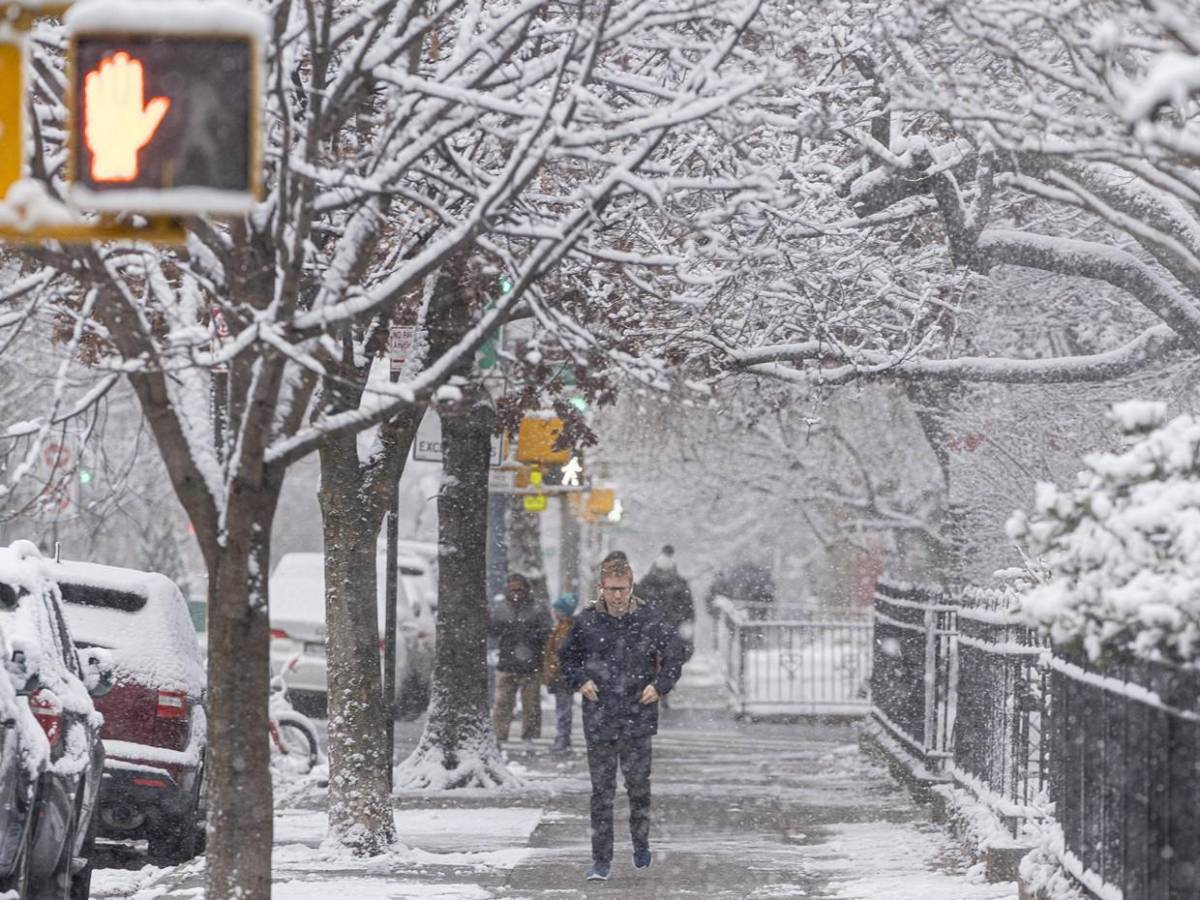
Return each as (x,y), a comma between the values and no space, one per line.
(85,477)
(12,95)
(506,284)
(163,122)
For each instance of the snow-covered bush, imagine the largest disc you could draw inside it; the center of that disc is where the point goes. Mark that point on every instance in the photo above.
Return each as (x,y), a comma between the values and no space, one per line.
(1122,547)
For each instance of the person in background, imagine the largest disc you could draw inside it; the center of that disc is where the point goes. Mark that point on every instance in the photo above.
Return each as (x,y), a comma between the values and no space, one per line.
(666,591)
(622,657)
(563,610)
(520,625)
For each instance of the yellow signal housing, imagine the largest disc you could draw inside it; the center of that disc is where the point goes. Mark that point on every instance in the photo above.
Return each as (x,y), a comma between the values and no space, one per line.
(535,441)
(600,502)
(12,94)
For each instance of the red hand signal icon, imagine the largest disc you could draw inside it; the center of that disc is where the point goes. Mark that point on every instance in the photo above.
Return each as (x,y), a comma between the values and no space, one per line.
(116,123)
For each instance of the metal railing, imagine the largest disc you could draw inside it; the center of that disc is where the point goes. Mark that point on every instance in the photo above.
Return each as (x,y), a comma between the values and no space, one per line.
(913,670)
(1001,740)
(962,685)
(1109,754)
(1124,776)
(806,664)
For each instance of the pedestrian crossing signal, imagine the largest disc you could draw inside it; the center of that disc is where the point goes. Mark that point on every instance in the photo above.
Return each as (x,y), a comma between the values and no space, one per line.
(164,123)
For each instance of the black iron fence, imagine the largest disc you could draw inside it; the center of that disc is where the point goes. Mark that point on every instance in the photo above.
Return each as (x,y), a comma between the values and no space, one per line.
(911,672)
(1124,776)
(1001,741)
(1108,754)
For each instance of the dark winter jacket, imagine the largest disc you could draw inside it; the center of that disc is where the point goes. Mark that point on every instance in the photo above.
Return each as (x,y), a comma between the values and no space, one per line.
(668,592)
(521,629)
(622,656)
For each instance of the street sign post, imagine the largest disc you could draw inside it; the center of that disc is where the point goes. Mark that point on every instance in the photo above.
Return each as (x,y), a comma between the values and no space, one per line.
(401,343)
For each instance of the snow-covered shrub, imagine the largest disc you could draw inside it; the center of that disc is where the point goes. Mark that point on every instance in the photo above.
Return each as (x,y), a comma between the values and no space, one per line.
(1122,547)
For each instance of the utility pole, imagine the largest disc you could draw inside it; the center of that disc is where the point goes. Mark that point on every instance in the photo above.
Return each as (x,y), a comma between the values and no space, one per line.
(571,540)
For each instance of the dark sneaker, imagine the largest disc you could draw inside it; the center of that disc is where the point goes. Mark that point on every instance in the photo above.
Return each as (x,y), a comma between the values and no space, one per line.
(598,871)
(642,859)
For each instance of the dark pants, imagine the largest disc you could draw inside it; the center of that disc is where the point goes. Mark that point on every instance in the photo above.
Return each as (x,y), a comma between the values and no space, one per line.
(564,709)
(633,756)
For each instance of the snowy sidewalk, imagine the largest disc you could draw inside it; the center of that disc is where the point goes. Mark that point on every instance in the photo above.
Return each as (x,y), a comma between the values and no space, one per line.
(740,811)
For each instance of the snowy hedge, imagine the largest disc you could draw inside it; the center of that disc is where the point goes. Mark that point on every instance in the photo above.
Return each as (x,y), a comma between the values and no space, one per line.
(1122,548)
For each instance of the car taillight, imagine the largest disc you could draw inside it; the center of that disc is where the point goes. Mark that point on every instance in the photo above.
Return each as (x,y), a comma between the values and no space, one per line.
(48,710)
(171,705)
(278,634)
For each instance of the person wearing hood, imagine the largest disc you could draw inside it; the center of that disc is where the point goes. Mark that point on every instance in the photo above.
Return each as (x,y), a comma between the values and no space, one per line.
(622,657)
(668,592)
(520,625)
(563,610)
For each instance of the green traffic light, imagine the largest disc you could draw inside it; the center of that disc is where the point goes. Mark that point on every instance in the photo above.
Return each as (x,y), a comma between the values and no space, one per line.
(506,284)
(85,477)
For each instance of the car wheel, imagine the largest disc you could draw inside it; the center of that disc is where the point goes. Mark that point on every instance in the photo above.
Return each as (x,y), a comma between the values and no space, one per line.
(413,699)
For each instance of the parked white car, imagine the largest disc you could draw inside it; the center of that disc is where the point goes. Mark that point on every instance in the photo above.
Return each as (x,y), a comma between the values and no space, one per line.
(297,596)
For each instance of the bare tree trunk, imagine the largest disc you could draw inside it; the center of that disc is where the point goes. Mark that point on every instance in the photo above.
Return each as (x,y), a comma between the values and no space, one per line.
(458,748)
(931,403)
(360,806)
(239,784)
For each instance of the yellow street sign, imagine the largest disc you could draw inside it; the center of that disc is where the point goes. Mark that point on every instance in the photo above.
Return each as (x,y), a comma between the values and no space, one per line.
(12,92)
(535,503)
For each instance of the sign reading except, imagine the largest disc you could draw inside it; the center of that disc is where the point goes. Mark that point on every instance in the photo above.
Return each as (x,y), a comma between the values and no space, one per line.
(427,445)
(164,123)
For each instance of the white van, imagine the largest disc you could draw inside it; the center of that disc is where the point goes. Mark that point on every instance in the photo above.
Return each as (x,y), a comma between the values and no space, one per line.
(297,597)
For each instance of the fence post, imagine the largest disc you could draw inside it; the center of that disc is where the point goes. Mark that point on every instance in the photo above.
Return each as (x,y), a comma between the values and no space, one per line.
(929,737)
(741,645)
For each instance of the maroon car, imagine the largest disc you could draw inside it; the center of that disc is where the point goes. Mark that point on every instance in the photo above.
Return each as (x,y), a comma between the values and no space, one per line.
(154,721)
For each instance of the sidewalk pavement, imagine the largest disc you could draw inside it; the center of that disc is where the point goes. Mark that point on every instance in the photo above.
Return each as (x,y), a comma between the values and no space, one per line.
(740,811)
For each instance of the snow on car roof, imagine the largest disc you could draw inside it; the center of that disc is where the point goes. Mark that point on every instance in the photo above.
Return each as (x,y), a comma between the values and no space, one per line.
(297,588)
(141,616)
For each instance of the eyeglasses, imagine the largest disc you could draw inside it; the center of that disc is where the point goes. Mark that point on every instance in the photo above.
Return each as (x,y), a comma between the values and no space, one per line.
(615,590)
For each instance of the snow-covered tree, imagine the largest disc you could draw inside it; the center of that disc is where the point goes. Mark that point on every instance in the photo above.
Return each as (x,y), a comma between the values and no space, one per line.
(1120,547)
(400,137)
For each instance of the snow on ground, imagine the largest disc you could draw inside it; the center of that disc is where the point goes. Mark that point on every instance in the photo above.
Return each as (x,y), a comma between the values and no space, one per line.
(887,859)
(741,812)
(123,883)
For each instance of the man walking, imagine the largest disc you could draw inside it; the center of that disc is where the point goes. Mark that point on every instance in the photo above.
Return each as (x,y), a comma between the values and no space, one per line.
(622,657)
(521,626)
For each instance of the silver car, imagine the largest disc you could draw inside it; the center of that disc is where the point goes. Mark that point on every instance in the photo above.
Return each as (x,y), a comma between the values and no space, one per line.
(297,596)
